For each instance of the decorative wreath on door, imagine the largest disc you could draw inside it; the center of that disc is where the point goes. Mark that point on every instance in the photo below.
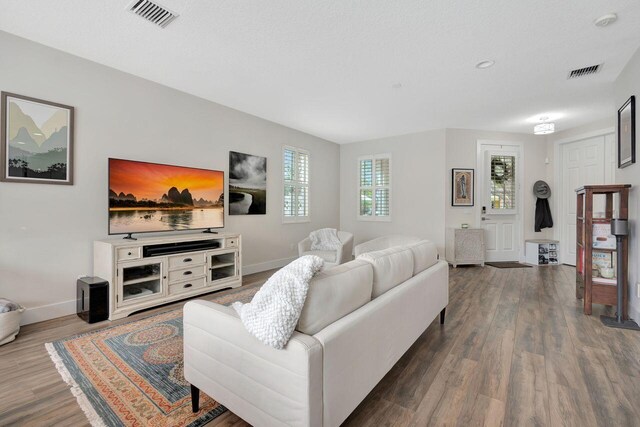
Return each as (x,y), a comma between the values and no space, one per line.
(501,170)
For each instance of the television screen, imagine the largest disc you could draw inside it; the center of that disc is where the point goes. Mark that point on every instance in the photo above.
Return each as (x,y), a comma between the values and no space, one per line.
(147,197)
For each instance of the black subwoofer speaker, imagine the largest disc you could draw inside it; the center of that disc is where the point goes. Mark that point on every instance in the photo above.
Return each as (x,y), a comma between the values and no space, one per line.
(92,303)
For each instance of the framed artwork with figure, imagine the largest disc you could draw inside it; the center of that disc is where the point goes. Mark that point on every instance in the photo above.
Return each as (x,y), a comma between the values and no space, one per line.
(462,187)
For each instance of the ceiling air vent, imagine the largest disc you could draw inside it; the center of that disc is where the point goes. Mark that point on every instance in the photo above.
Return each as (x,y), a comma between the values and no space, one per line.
(152,12)
(581,72)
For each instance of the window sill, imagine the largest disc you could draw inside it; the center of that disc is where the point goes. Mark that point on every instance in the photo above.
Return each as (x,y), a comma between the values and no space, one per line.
(374,218)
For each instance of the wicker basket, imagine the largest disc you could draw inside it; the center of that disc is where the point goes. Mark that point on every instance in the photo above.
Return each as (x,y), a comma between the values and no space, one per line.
(10,325)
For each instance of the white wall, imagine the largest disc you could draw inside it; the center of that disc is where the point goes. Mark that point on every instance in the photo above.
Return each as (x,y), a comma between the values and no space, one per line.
(627,84)
(600,128)
(461,152)
(46,231)
(422,164)
(418,187)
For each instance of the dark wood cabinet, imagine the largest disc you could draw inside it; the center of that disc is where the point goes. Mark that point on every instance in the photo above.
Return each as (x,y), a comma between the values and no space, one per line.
(594,290)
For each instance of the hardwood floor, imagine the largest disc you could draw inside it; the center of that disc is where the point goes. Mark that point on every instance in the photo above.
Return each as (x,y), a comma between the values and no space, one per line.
(515,350)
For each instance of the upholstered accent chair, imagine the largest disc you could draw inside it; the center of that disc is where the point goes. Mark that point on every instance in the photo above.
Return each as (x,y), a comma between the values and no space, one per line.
(331,258)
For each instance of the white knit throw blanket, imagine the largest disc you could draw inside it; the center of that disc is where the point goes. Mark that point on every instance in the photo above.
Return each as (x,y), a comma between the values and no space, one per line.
(325,239)
(273,313)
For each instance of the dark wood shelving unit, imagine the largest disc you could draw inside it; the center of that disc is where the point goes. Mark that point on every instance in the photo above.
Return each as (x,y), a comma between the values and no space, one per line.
(590,292)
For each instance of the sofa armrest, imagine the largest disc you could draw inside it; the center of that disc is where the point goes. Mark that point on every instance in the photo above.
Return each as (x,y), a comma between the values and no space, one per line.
(262,385)
(369,246)
(345,251)
(304,246)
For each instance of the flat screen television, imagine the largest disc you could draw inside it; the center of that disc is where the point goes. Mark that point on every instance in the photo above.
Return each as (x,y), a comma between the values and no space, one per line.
(150,197)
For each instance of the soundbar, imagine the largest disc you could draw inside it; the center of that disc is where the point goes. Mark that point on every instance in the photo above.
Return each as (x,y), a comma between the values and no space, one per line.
(178,247)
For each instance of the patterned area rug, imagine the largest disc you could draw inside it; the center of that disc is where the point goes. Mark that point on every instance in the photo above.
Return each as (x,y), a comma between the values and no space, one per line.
(132,374)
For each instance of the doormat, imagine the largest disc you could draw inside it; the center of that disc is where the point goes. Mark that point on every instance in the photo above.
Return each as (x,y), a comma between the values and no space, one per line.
(132,374)
(507,264)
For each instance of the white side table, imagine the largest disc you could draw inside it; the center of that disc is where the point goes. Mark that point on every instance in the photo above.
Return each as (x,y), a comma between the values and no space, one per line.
(465,246)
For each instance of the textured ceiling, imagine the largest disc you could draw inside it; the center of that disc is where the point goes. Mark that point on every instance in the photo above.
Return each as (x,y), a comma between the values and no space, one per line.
(329,67)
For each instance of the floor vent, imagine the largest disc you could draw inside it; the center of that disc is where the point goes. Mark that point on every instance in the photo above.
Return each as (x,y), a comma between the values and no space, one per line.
(581,72)
(152,12)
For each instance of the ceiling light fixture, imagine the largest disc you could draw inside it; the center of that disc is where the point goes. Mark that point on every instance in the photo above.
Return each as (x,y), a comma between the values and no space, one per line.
(606,20)
(545,127)
(485,64)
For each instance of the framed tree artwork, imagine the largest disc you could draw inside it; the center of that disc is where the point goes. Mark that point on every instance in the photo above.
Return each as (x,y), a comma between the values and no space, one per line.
(462,187)
(627,133)
(37,141)
(247,184)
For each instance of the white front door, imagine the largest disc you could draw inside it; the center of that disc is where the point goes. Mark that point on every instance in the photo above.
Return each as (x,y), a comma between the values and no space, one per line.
(583,163)
(500,201)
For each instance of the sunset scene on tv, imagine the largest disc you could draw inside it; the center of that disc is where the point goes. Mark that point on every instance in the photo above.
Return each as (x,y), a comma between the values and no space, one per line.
(146,197)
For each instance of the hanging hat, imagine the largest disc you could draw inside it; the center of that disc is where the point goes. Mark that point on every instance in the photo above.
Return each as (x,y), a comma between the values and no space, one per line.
(541,190)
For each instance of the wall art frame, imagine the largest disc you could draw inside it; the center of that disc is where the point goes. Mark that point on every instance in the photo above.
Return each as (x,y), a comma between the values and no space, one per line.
(462,187)
(247,184)
(37,140)
(627,133)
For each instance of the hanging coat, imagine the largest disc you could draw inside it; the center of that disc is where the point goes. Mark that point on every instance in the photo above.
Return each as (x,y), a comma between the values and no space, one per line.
(543,215)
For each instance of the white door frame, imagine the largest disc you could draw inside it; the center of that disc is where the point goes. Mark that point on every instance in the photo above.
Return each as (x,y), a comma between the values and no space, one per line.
(519,180)
(557,178)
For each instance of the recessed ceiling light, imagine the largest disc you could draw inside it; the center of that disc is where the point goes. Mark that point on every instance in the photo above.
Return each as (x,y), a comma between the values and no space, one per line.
(606,20)
(485,64)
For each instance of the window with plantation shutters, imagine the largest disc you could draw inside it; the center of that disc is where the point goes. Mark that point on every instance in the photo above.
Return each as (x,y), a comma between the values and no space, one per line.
(374,188)
(295,169)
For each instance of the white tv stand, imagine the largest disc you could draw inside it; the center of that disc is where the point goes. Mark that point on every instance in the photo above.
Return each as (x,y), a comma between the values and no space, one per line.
(141,275)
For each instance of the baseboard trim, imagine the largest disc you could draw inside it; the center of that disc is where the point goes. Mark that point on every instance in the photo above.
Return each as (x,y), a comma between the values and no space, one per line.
(264,266)
(47,312)
(65,308)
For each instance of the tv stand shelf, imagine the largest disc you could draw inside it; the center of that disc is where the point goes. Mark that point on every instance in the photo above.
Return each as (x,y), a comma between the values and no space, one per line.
(152,271)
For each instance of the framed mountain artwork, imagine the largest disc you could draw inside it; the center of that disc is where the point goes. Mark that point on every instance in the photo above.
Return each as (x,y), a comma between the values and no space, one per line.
(37,141)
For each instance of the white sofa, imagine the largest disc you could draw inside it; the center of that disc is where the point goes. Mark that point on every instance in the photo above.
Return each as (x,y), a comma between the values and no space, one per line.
(331,258)
(385,242)
(359,318)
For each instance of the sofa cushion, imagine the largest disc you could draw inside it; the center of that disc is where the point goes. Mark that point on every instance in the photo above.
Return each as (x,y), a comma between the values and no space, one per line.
(425,255)
(328,256)
(334,293)
(391,267)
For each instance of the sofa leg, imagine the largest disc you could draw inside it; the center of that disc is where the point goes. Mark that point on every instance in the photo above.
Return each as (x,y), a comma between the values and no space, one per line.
(442,314)
(195,398)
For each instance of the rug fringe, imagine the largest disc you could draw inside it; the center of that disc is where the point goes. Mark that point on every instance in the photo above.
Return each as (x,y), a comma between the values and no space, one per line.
(94,419)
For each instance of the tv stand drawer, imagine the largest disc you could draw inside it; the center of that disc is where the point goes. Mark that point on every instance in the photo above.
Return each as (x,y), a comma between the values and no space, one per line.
(186,260)
(188,286)
(187,273)
(126,254)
